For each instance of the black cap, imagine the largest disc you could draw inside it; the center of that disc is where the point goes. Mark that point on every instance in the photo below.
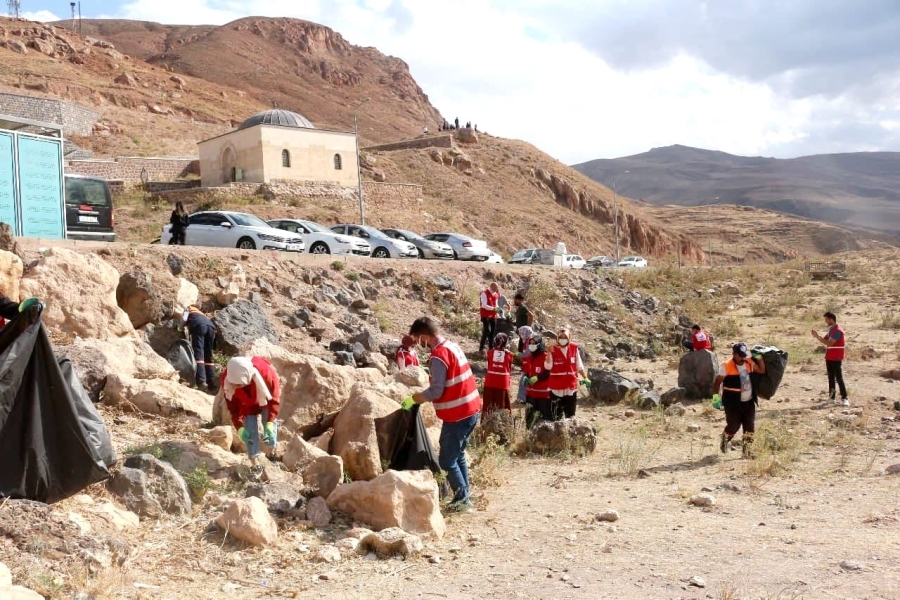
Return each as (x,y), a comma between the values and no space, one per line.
(741,349)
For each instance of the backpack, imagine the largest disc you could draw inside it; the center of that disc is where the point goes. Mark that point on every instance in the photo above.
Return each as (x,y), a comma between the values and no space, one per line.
(766,384)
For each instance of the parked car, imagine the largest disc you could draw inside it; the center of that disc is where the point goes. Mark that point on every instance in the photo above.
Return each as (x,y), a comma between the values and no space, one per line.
(573,261)
(638,262)
(426,248)
(89,209)
(321,240)
(382,245)
(532,256)
(464,247)
(226,229)
(599,262)
(495,258)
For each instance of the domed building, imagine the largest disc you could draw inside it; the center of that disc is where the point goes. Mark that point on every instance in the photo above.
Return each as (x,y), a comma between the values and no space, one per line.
(282,145)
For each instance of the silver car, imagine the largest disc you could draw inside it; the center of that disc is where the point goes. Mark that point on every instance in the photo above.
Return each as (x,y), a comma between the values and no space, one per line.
(382,245)
(464,247)
(427,248)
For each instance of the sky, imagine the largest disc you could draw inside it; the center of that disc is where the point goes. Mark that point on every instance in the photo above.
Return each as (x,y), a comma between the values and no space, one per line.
(586,79)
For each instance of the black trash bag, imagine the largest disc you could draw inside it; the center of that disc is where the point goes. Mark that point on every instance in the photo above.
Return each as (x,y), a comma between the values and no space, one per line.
(766,384)
(181,357)
(52,441)
(403,441)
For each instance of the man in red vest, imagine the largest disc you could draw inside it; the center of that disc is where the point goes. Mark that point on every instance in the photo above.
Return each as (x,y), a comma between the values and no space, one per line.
(454,394)
(835,342)
(700,339)
(488,311)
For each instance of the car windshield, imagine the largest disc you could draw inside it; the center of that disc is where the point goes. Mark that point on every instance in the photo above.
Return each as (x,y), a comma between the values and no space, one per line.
(315,227)
(370,230)
(599,259)
(409,235)
(246,220)
(521,254)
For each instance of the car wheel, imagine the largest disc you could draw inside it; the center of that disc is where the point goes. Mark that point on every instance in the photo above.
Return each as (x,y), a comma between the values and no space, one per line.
(455,255)
(421,254)
(381,253)
(320,248)
(246,243)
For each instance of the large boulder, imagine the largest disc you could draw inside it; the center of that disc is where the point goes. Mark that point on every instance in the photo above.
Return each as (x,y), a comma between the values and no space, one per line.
(95,360)
(322,475)
(10,273)
(137,296)
(187,457)
(17,592)
(404,499)
(240,323)
(299,453)
(697,372)
(8,241)
(355,437)
(573,436)
(249,520)
(279,497)
(610,387)
(150,487)
(158,396)
(311,389)
(80,293)
(391,542)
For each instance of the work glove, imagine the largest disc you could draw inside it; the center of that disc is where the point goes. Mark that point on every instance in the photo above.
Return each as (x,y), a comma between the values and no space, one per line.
(757,356)
(245,435)
(269,435)
(29,303)
(585,382)
(716,401)
(407,403)
(532,380)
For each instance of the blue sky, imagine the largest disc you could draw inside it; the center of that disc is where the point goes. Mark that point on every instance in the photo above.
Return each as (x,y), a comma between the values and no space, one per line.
(585,79)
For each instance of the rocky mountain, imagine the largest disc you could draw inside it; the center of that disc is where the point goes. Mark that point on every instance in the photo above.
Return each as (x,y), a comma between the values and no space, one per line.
(857,189)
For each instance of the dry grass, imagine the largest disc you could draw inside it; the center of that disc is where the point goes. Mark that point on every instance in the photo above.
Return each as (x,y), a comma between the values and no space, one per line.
(775,449)
(633,451)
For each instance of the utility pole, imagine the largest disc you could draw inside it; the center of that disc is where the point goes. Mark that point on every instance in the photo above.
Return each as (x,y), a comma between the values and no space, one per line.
(14,8)
(362,210)
(72,4)
(616,213)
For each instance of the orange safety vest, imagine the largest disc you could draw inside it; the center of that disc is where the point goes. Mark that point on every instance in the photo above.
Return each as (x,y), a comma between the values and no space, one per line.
(492,299)
(564,374)
(499,365)
(533,366)
(731,385)
(460,398)
(836,352)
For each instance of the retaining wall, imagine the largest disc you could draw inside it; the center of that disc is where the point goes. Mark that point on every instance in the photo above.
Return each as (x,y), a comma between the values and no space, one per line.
(74,119)
(429,141)
(128,169)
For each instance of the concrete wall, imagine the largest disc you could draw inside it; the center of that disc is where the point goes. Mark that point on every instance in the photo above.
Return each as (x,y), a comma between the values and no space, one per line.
(428,141)
(74,119)
(236,150)
(128,169)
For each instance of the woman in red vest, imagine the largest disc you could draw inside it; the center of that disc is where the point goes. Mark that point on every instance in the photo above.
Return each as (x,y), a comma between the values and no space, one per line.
(537,394)
(406,356)
(496,381)
(835,344)
(565,366)
(454,394)
(489,305)
(252,393)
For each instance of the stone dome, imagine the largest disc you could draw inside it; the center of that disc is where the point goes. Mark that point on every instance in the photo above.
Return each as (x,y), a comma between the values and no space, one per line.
(277,116)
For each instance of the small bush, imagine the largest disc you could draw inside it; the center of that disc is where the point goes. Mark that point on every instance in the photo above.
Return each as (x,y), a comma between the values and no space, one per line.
(763,309)
(197,482)
(153,449)
(338,265)
(774,449)
(890,320)
(352,276)
(490,463)
(634,451)
(543,297)
(465,325)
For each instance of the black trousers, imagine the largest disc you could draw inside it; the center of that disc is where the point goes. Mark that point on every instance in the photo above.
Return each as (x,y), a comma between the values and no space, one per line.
(738,415)
(563,407)
(835,375)
(177,238)
(538,409)
(203,340)
(488,329)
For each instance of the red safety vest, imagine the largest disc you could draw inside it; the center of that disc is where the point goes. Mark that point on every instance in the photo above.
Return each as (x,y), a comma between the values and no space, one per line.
(406,358)
(564,374)
(492,299)
(700,341)
(499,365)
(533,366)
(460,398)
(836,352)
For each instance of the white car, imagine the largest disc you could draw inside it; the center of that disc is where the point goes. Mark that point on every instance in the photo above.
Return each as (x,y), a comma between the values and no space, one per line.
(636,262)
(494,258)
(573,261)
(226,229)
(321,240)
(382,245)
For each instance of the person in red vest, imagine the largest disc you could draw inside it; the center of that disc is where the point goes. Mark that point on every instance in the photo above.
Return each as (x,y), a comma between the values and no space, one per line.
(406,356)
(454,393)
(537,392)
(700,339)
(252,394)
(566,372)
(835,343)
(496,381)
(738,396)
(488,311)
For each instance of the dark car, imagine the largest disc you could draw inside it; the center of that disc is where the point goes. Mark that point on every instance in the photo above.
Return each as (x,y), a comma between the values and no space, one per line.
(89,209)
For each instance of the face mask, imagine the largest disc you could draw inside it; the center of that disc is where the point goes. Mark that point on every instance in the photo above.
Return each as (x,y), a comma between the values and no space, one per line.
(532,347)
(563,342)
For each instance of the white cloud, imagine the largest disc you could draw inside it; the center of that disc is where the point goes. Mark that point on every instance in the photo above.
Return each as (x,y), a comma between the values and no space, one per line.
(44,16)
(503,65)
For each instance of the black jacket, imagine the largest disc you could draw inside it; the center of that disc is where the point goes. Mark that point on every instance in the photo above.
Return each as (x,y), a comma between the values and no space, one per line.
(179,221)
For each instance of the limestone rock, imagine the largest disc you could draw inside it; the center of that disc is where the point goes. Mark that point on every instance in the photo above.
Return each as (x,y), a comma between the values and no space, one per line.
(323,474)
(299,453)
(608,516)
(413,377)
(10,273)
(610,387)
(279,497)
(391,542)
(116,517)
(703,500)
(323,442)
(355,437)
(63,279)
(126,78)
(248,520)
(186,295)
(95,360)
(158,396)
(189,456)
(5,576)
(42,46)
(568,435)
(16,46)
(405,499)
(17,592)
(467,135)
(240,323)
(221,436)
(318,513)
(150,487)
(327,554)
(148,300)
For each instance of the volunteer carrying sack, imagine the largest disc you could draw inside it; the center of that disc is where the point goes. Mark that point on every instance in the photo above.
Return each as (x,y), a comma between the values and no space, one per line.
(766,384)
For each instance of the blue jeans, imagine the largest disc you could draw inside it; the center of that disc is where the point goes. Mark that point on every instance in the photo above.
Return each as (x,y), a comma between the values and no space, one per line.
(252,424)
(452,457)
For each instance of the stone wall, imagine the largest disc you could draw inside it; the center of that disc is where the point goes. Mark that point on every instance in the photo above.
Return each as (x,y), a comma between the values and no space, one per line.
(128,169)
(428,141)
(391,194)
(155,187)
(74,119)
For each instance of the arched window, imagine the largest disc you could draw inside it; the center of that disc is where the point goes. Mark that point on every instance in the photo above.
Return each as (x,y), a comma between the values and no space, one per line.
(337,162)
(285,158)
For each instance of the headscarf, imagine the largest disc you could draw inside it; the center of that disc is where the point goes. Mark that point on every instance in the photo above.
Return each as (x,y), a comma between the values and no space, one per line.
(239,373)
(525,332)
(564,332)
(500,341)
(537,339)
(407,342)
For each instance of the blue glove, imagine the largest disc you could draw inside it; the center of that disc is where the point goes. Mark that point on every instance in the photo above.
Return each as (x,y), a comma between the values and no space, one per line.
(407,403)
(245,435)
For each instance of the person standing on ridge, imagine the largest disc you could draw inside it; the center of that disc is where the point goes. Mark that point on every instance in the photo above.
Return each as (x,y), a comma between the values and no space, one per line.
(738,396)
(488,311)
(835,344)
(566,367)
(454,393)
(179,221)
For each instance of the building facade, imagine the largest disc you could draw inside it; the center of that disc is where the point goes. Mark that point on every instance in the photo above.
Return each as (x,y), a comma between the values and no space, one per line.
(278,145)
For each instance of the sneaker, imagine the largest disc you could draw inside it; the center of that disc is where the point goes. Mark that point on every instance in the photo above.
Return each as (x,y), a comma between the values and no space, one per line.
(460,508)
(845,401)
(256,472)
(724,444)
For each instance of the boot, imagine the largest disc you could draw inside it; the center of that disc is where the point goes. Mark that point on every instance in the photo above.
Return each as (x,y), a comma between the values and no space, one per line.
(725,443)
(747,445)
